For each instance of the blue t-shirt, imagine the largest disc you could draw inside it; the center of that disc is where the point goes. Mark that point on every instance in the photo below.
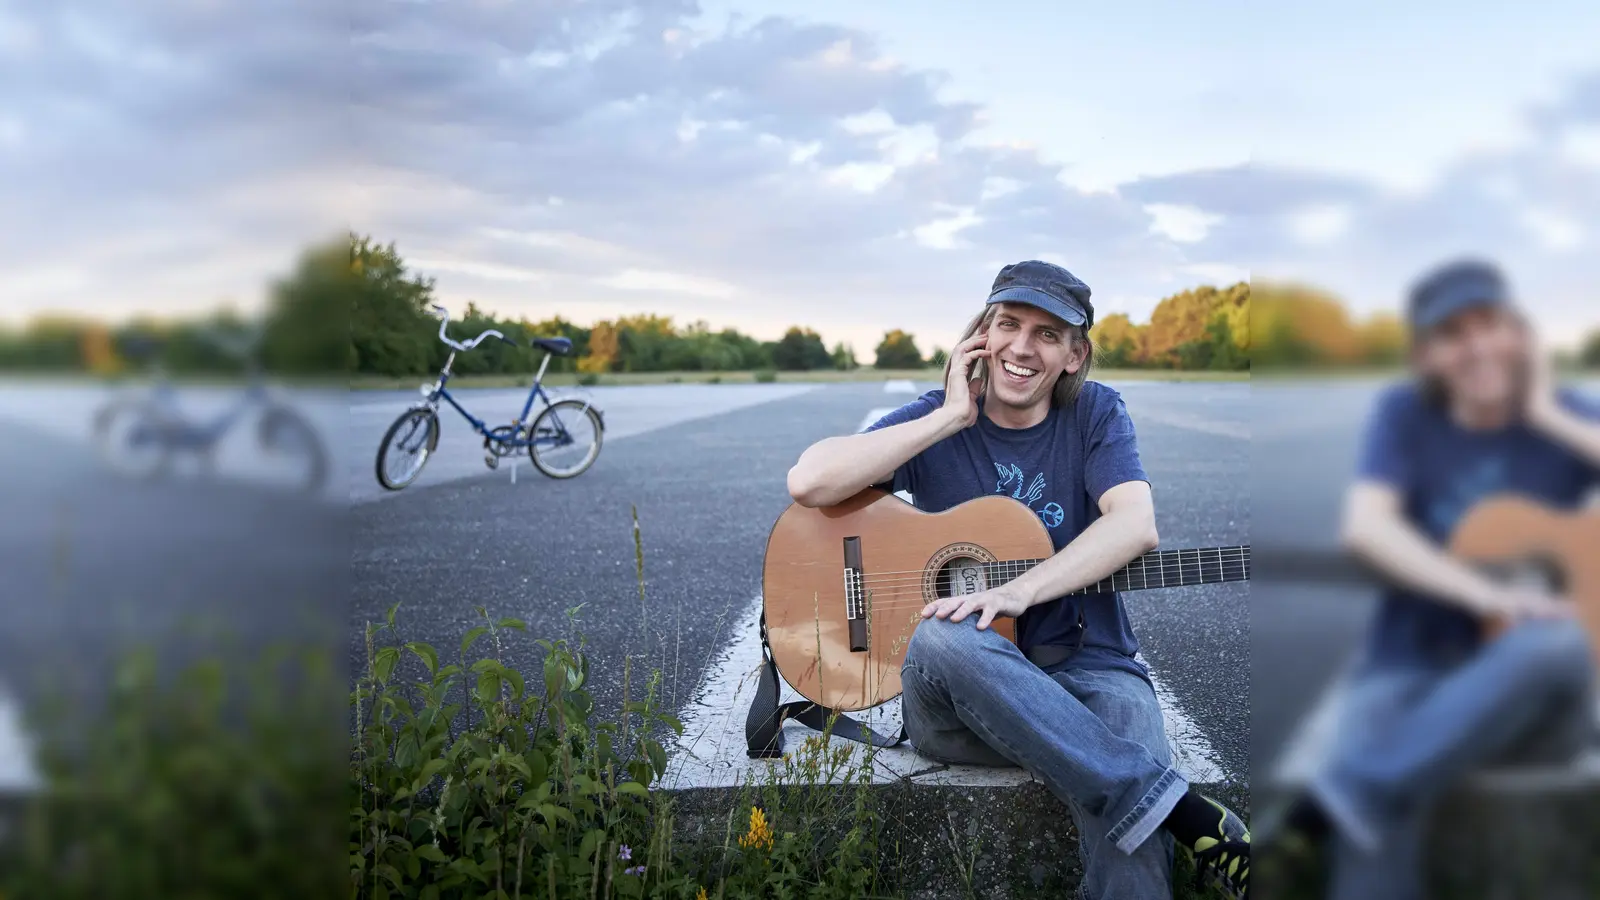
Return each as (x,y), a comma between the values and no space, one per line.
(1059,468)
(1441,470)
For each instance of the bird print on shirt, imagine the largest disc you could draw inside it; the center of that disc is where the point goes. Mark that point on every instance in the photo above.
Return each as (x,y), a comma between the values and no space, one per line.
(1011,476)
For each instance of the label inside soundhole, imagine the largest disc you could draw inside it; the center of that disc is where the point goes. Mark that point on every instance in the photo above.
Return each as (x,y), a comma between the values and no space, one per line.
(966,577)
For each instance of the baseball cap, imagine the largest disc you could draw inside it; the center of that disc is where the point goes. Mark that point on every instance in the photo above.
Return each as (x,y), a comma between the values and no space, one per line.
(1046,286)
(1453,287)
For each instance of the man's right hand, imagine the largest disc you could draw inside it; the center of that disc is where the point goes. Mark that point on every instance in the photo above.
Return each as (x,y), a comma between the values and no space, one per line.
(959,400)
(1516,604)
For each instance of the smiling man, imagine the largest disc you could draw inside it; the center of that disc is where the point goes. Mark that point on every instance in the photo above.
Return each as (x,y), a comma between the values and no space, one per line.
(1069,701)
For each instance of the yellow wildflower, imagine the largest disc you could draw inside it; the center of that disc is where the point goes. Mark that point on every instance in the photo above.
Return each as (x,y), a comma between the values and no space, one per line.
(701,895)
(759,835)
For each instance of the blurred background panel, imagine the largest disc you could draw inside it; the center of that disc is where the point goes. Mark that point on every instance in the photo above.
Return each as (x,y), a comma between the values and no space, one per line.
(174,284)
(1407,151)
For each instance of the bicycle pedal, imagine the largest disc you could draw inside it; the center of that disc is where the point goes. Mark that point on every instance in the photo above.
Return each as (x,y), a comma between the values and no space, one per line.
(492,461)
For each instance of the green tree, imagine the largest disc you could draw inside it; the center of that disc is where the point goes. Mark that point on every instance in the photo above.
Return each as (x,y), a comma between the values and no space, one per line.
(308,327)
(801,349)
(1590,355)
(938,358)
(844,357)
(898,350)
(392,331)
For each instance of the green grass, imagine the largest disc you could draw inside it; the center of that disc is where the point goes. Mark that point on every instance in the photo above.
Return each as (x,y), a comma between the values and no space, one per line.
(567,379)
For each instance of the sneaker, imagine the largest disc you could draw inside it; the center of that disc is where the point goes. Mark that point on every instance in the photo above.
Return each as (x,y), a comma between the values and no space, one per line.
(1222,856)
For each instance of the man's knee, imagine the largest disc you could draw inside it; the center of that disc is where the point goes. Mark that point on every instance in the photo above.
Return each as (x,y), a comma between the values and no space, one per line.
(1554,654)
(940,645)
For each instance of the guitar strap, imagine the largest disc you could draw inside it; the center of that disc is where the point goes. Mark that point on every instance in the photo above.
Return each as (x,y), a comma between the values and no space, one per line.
(763,726)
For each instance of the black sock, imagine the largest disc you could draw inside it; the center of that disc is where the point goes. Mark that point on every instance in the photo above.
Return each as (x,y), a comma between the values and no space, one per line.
(1192,819)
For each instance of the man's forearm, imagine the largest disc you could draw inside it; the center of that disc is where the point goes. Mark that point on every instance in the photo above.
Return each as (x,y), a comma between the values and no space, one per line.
(1407,557)
(836,469)
(1578,434)
(1110,543)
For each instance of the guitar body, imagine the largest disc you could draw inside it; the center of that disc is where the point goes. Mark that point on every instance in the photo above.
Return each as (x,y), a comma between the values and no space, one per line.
(843,586)
(1508,531)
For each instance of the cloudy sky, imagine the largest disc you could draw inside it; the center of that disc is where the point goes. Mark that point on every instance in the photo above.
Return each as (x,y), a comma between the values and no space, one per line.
(721,161)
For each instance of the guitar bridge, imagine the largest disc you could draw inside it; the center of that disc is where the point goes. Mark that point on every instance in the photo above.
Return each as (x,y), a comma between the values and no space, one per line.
(855,595)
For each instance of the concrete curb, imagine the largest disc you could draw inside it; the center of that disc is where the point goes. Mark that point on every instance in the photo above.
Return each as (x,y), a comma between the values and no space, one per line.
(1001,841)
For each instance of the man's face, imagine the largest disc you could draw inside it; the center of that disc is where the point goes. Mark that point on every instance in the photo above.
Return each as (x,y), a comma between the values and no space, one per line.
(1479,355)
(1030,350)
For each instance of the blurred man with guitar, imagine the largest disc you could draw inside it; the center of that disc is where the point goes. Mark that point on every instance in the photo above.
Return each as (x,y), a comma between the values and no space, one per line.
(1459,668)
(1068,701)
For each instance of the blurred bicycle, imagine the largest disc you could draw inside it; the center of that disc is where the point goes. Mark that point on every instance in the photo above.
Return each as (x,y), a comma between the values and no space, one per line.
(142,432)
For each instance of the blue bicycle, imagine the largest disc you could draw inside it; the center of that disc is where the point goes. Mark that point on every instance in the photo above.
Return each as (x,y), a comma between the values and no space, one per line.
(563,441)
(142,432)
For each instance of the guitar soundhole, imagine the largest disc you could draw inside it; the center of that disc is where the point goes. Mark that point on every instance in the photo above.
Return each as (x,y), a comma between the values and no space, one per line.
(961,577)
(957,570)
(1533,574)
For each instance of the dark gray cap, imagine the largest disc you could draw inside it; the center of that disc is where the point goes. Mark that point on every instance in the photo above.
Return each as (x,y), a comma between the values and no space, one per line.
(1046,286)
(1454,287)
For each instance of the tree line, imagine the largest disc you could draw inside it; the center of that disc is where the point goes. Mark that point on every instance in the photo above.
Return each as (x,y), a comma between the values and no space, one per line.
(352,306)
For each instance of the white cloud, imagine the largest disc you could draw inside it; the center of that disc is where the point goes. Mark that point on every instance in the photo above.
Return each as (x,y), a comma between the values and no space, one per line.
(1554,230)
(1580,146)
(1216,274)
(477,269)
(1320,223)
(561,241)
(873,121)
(995,187)
(864,177)
(941,234)
(1184,224)
(672,282)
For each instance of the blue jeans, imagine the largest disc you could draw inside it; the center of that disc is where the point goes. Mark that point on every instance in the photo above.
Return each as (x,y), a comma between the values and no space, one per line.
(1095,737)
(1408,734)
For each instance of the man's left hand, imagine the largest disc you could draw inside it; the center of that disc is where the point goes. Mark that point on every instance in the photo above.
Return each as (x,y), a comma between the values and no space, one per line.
(1539,398)
(1004,600)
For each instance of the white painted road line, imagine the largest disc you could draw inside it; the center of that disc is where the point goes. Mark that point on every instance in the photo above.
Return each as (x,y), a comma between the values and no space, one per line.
(17,774)
(711,751)
(1192,423)
(899,387)
(874,416)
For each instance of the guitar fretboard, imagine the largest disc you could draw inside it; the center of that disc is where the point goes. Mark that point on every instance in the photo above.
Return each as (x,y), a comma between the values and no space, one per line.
(1156,569)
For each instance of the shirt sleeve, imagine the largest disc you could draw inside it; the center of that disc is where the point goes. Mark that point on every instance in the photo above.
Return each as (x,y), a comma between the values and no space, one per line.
(1112,456)
(905,477)
(1586,407)
(1385,456)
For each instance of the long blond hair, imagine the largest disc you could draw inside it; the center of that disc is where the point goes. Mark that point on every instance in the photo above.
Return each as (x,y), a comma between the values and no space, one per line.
(1068,384)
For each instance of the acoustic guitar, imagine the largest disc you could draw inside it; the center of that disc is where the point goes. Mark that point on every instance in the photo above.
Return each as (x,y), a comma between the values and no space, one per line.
(843,587)
(1518,537)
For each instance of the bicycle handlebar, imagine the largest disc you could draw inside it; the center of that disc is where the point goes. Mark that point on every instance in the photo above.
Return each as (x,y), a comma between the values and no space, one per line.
(444,322)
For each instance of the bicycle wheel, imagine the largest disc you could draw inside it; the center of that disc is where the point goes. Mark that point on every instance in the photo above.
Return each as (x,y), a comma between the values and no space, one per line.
(566,439)
(415,433)
(285,431)
(131,440)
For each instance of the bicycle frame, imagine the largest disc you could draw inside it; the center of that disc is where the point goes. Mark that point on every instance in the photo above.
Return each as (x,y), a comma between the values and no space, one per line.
(482,427)
(184,431)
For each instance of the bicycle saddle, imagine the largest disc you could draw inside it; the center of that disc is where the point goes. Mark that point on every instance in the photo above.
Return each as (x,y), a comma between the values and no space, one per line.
(560,346)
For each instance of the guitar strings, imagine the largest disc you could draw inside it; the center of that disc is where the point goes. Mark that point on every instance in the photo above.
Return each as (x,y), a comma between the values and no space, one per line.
(1237,554)
(1239,566)
(1147,574)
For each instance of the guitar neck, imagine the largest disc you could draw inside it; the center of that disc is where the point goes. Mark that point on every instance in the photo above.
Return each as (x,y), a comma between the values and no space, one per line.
(1156,569)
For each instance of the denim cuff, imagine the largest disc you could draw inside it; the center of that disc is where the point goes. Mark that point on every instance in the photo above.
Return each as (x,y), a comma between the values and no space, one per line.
(1350,822)
(1153,809)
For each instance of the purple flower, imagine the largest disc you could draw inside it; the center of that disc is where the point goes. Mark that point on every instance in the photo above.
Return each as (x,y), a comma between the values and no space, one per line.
(636,870)
(625,854)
